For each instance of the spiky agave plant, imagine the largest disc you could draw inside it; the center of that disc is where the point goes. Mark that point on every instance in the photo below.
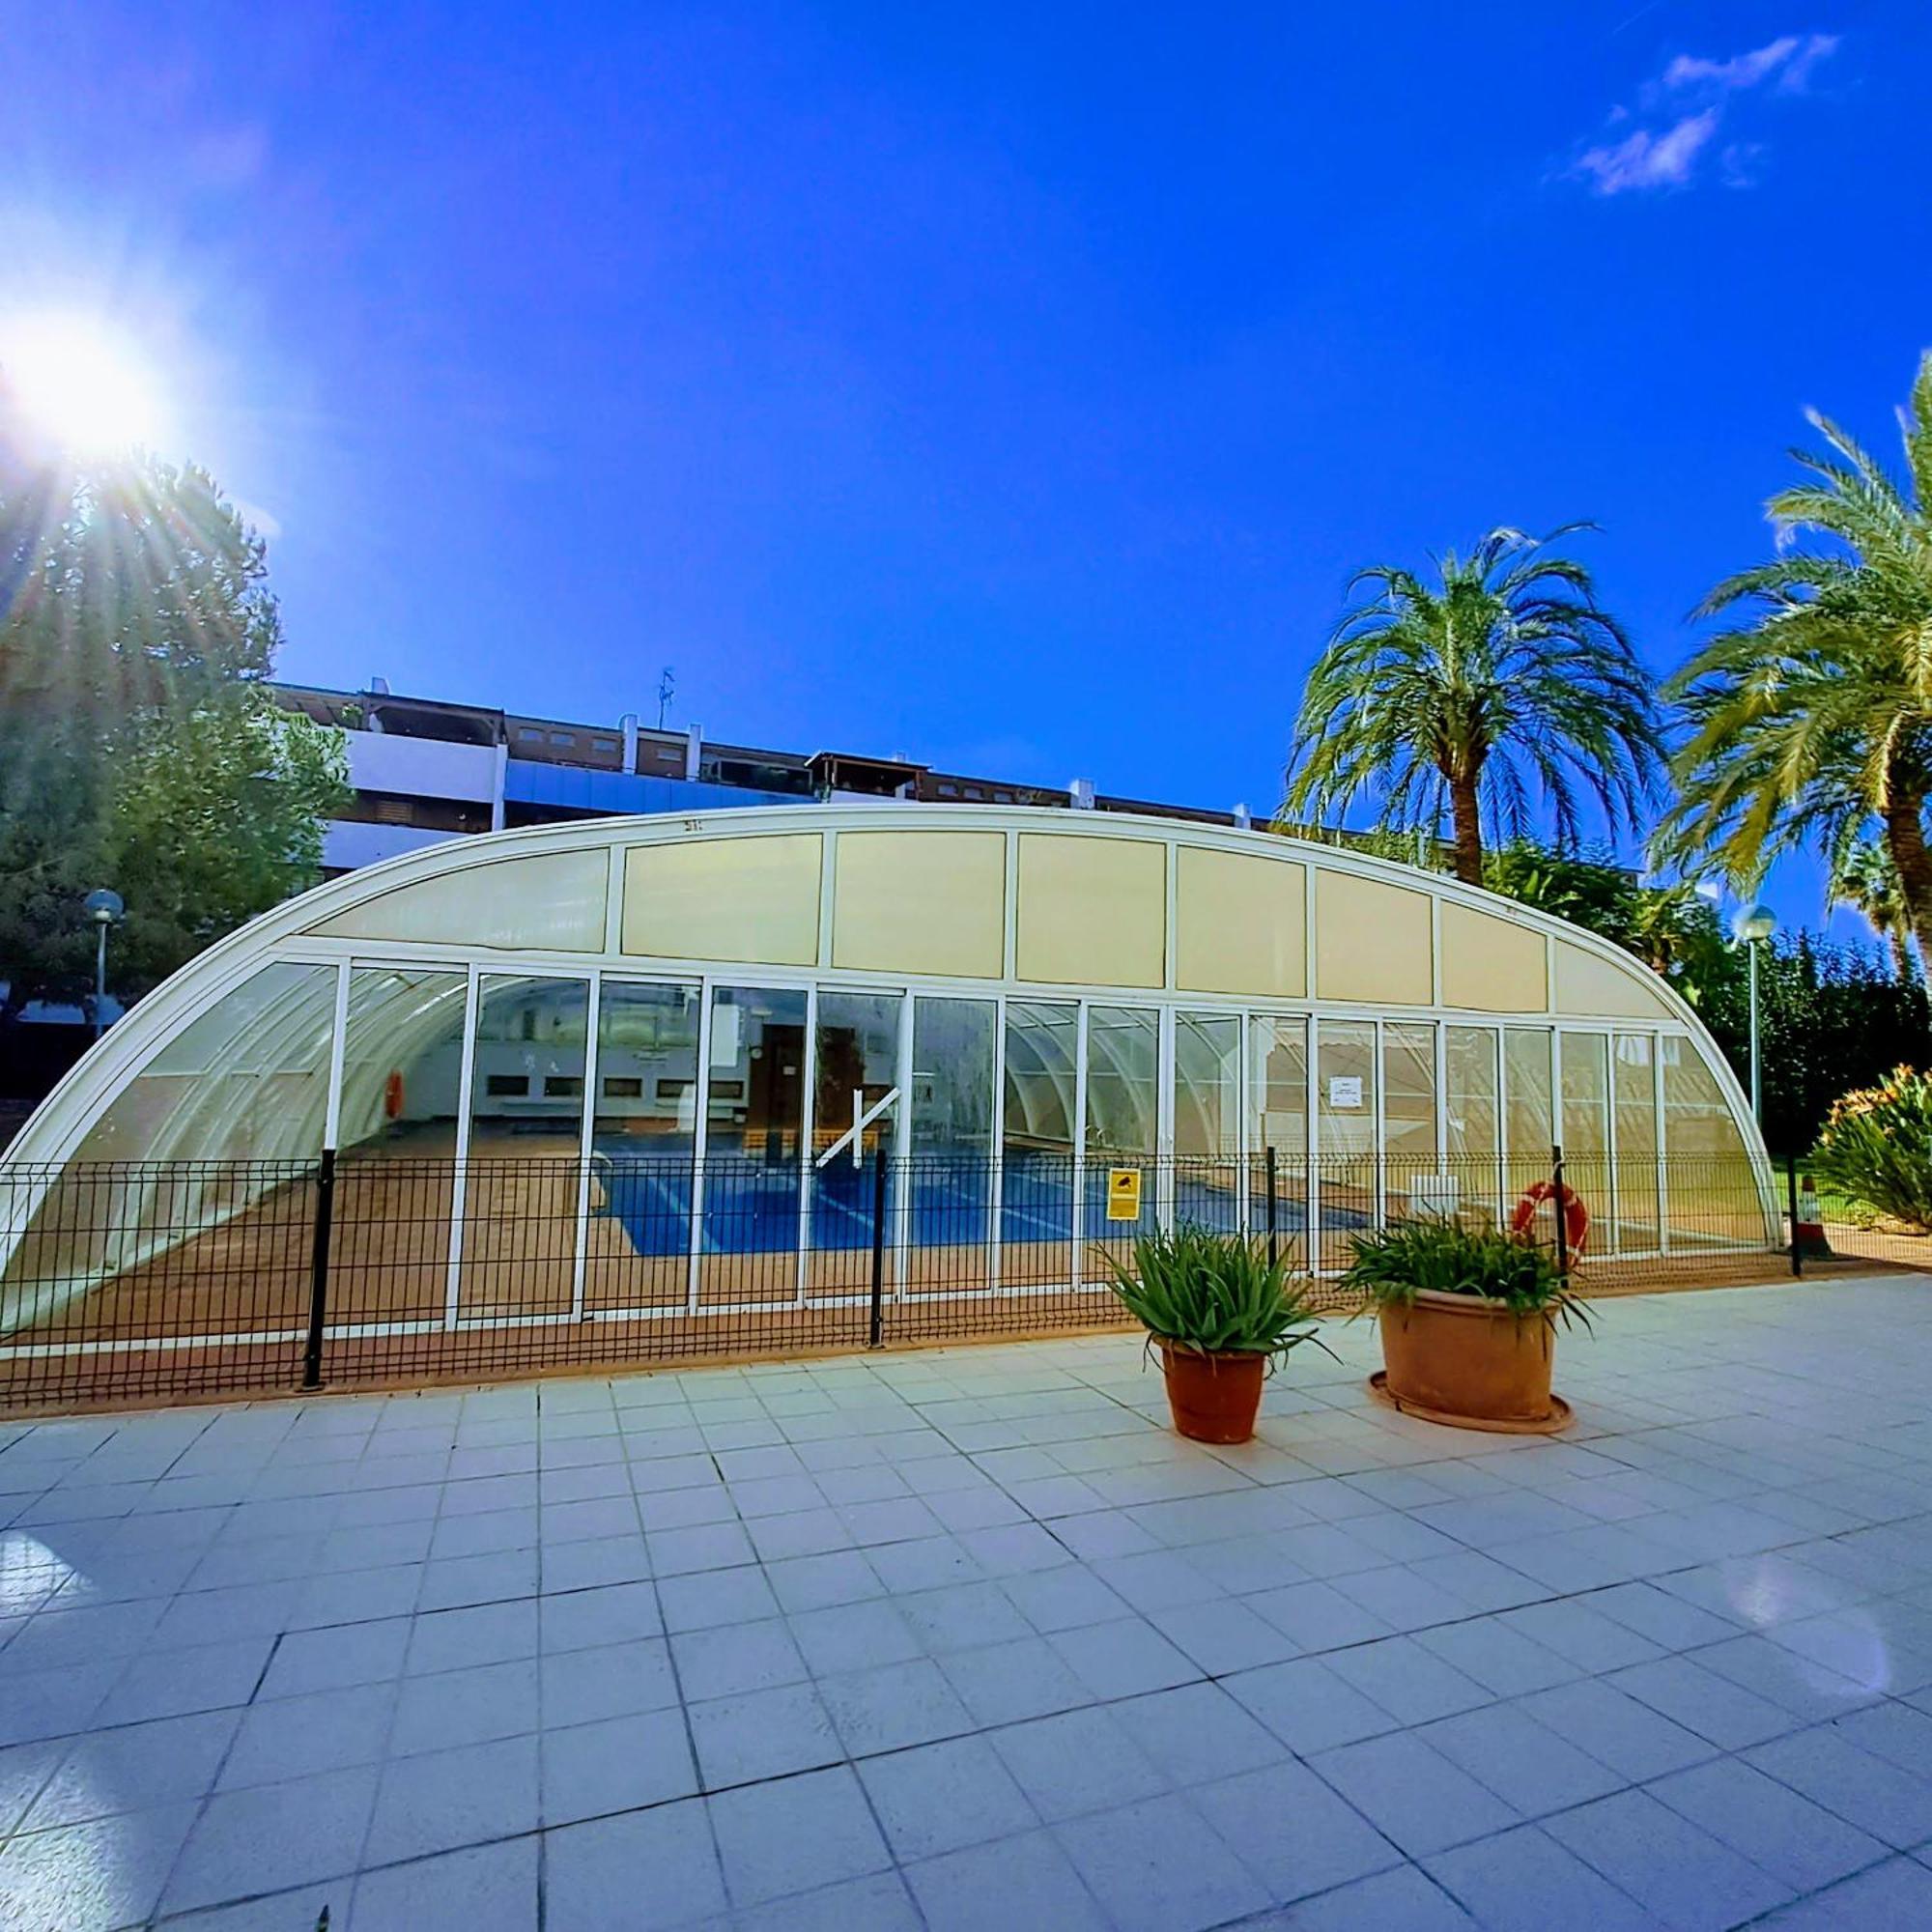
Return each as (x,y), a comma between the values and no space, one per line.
(1214,1294)
(1390,1266)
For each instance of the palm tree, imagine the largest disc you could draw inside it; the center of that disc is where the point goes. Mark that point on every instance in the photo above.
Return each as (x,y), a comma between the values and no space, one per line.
(1866,880)
(1501,683)
(1813,717)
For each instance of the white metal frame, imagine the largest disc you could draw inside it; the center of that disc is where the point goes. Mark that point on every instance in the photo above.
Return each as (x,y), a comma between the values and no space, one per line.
(290,933)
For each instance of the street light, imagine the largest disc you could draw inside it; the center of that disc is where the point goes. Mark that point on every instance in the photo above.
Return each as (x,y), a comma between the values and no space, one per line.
(104,909)
(1755,925)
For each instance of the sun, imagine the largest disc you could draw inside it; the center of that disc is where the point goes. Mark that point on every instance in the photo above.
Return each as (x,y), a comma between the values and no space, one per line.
(80,384)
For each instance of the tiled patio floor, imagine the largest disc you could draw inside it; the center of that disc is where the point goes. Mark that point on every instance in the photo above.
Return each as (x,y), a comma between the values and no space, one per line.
(969,1639)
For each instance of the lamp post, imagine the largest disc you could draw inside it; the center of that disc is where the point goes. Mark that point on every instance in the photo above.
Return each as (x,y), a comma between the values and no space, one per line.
(1753,927)
(104,909)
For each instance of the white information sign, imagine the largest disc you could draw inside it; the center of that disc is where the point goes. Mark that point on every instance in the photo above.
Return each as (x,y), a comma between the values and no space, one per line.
(1345,1090)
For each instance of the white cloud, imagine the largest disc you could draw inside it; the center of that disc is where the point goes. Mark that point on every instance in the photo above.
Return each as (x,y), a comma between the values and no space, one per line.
(1644,160)
(1791,57)
(1690,103)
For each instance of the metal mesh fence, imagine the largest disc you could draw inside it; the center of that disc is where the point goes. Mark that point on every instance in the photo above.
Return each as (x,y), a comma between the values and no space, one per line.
(177,1281)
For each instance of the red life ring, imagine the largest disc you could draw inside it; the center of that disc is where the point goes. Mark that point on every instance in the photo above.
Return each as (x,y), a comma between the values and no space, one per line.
(1576,1216)
(393,1095)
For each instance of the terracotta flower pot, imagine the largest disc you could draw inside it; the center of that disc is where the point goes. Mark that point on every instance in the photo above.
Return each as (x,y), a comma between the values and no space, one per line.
(1459,1357)
(1214,1398)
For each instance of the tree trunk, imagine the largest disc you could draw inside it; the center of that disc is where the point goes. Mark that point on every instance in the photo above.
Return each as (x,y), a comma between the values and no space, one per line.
(1905,838)
(1468,814)
(1901,955)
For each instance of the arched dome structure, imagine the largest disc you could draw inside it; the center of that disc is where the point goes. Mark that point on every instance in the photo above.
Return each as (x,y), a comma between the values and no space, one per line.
(1003,984)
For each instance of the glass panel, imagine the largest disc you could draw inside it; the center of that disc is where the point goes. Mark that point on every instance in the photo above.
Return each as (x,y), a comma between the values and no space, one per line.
(955,1050)
(1710,1190)
(755,1098)
(1123,1128)
(1208,1120)
(402,1074)
(1037,1152)
(245,1082)
(643,1136)
(1587,1127)
(1633,1088)
(1278,1095)
(526,1142)
(1471,1116)
(1344,1132)
(857,1065)
(1412,1178)
(1528,1128)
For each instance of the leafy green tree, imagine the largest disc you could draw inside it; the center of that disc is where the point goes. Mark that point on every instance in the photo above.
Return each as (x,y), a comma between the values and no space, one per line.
(1865,880)
(215,822)
(1502,684)
(1831,1018)
(137,749)
(1812,718)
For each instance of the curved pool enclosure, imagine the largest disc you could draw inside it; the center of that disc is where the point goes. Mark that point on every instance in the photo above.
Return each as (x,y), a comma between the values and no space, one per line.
(636,1069)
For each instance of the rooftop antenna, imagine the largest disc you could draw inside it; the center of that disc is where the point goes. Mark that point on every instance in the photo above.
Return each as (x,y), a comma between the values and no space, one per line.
(667,687)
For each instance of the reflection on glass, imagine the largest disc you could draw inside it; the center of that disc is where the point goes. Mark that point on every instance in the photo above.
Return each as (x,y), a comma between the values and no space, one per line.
(1710,1190)
(1409,1101)
(643,1132)
(646,1068)
(857,1065)
(1528,1123)
(1037,1153)
(1586,1125)
(754,1101)
(955,1055)
(1471,1119)
(1346,1130)
(402,1083)
(1122,1123)
(244,1082)
(526,1140)
(1208,1120)
(402,1059)
(1279,1087)
(1278,1106)
(1633,1092)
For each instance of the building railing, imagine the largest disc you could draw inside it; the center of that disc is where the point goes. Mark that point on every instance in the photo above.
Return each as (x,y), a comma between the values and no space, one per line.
(176,1280)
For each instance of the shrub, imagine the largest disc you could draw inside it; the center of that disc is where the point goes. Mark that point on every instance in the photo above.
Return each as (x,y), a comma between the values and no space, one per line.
(1876,1148)
(1213,1294)
(1391,1265)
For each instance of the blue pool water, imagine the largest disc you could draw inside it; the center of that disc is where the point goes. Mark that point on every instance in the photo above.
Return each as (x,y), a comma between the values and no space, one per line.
(751,1207)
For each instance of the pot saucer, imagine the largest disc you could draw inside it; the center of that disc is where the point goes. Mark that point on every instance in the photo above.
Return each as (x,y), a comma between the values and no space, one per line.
(1562,1416)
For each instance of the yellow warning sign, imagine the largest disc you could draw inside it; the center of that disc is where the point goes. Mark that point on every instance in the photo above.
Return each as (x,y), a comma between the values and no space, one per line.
(1123,1194)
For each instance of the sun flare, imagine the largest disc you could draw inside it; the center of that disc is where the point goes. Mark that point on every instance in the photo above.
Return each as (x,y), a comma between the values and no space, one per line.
(78,383)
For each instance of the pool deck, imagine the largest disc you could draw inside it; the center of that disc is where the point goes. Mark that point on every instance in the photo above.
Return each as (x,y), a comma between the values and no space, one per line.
(966,1638)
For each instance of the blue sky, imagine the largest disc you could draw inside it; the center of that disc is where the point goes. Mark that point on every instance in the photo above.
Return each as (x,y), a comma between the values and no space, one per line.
(1015,388)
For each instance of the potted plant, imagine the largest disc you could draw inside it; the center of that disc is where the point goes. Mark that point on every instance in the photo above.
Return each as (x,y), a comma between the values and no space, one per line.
(1222,1314)
(1468,1321)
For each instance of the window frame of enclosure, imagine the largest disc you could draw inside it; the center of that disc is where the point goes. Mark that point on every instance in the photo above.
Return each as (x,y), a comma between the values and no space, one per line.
(1166,1002)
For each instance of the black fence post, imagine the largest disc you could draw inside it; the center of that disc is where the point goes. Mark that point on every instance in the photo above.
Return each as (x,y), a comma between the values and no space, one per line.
(1562,1218)
(1791,1187)
(877,1333)
(318,1269)
(1273,1199)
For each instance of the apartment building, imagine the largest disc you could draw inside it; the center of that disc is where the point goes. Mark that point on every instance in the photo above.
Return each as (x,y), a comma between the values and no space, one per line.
(427,769)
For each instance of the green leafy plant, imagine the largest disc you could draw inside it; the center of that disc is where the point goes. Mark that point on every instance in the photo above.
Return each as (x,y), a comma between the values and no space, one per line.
(1390,1266)
(1876,1149)
(1214,1294)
